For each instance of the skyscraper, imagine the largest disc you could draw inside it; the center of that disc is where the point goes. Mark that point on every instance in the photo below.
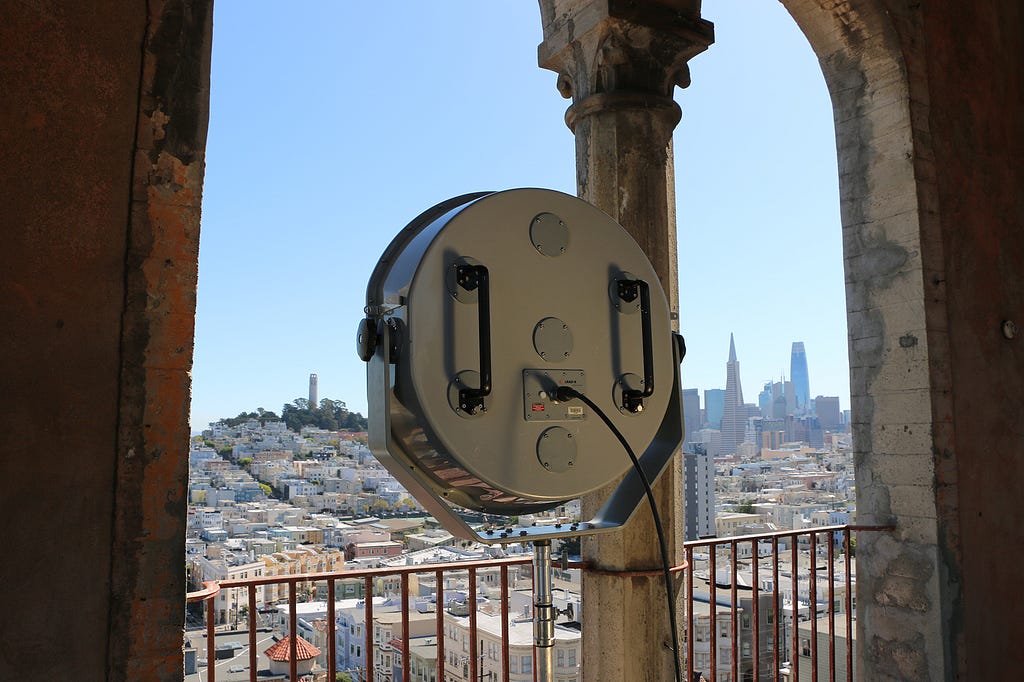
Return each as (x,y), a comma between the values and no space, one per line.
(783,399)
(798,375)
(691,415)
(714,398)
(734,413)
(314,395)
(828,411)
(764,401)
(699,494)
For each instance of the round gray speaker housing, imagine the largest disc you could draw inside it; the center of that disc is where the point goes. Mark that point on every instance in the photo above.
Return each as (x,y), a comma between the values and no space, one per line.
(547,270)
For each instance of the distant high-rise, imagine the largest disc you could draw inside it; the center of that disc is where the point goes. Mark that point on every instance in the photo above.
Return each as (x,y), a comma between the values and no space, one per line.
(755,427)
(314,394)
(699,494)
(714,399)
(783,399)
(734,412)
(829,414)
(691,415)
(764,401)
(798,375)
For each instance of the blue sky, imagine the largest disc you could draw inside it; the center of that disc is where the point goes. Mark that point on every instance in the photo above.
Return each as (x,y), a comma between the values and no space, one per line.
(333,124)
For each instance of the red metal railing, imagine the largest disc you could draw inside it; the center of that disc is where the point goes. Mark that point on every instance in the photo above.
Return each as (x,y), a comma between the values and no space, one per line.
(737,663)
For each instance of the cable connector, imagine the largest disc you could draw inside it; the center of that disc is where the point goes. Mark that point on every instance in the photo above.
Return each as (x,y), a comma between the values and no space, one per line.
(564,394)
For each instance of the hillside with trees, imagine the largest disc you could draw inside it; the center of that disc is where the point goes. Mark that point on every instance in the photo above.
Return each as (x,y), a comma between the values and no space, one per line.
(332,415)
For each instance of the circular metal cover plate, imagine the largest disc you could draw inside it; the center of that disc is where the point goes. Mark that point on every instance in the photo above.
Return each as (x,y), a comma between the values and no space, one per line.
(492,460)
(556,450)
(552,339)
(549,234)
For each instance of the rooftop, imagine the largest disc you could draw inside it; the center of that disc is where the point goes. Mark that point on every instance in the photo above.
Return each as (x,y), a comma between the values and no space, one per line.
(281,651)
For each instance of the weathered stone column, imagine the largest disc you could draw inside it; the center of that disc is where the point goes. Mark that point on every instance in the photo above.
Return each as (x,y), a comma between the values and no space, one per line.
(620,73)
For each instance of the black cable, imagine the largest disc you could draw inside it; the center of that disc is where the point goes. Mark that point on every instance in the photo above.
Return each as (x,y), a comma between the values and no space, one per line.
(564,393)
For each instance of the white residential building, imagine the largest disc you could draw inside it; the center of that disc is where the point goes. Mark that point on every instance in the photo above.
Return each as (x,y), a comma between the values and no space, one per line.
(231,603)
(566,654)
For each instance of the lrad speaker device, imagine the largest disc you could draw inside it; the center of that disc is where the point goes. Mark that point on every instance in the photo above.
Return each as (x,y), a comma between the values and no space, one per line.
(519,353)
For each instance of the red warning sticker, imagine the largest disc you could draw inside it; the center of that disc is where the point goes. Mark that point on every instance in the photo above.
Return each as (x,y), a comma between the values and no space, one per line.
(537,407)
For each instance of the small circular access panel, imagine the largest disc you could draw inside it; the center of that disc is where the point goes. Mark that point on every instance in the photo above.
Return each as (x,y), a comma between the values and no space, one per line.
(549,234)
(465,379)
(552,339)
(556,450)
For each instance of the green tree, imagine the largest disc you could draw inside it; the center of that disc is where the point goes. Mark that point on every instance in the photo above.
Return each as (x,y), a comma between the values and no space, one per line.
(330,414)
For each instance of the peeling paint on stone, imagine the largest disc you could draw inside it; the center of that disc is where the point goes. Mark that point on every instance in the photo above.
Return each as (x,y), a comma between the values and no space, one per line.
(900,659)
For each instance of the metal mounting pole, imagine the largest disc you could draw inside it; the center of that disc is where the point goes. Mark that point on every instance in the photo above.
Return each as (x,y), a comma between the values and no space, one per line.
(543,611)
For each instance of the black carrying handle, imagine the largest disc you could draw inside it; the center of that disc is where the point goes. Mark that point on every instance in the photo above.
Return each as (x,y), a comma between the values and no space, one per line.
(476,277)
(628,290)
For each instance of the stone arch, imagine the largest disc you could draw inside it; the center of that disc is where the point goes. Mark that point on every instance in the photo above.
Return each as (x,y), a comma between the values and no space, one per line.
(892,252)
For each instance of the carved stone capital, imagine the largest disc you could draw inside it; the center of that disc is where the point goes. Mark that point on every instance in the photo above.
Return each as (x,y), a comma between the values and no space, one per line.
(620,55)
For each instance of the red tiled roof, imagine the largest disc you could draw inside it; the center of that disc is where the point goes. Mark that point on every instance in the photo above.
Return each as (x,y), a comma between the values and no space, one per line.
(282,650)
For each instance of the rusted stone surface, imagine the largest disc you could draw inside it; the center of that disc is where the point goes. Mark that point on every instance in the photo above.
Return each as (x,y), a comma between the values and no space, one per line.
(902,591)
(148,585)
(974,67)
(98,300)
(69,83)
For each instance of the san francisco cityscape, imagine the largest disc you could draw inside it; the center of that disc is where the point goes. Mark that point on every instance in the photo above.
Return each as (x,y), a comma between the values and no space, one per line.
(295,492)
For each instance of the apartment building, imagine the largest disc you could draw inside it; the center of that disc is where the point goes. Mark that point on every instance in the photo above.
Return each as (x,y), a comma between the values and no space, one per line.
(566,654)
(231,603)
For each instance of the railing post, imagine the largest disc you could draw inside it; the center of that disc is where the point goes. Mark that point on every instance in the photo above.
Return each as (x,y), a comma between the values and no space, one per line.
(439,623)
(405,627)
(689,612)
(849,608)
(831,611)
(293,629)
(756,640)
(211,639)
(252,631)
(736,639)
(812,597)
(713,597)
(795,586)
(368,627)
(504,625)
(776,608)
(332,632)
